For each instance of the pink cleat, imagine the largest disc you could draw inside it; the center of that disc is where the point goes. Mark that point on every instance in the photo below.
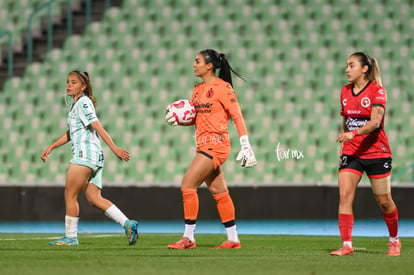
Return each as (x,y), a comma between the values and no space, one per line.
(344,250)
(228,244)
(394,248)
(183,243)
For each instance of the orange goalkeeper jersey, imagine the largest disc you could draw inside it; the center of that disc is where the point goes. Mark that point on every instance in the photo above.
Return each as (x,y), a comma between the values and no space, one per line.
(215,103)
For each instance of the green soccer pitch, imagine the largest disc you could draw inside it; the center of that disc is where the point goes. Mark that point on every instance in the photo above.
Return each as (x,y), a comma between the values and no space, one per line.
(260,254)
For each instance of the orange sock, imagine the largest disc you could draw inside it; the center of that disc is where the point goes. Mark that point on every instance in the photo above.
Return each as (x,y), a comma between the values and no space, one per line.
(190,199)
(225,207)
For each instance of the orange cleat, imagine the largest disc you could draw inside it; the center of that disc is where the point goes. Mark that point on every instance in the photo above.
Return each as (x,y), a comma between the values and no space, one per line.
(394,248)
(183,243)
(344,250)
(228,244)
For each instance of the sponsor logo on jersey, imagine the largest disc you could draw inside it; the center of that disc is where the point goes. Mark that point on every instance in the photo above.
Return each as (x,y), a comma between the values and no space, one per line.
(381,91)
(203,107)
(344,101)
(210,139)
(365,102)
(353,112)
(353,123)
(199,105)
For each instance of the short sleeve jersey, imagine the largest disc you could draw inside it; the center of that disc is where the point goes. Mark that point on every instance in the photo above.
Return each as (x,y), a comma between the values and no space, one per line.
(215,103)
(356,109)
(86,145)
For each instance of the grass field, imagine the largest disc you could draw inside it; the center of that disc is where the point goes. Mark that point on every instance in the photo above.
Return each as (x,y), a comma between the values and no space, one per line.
(260,254)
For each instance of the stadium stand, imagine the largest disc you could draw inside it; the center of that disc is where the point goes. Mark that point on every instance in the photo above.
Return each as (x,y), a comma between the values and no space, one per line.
(292,52)
(14,16)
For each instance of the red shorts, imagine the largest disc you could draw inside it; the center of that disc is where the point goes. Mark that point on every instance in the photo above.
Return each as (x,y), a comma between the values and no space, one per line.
(217,149)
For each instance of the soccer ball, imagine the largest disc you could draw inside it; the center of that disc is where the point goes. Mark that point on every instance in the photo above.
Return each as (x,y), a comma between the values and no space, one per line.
(183,110)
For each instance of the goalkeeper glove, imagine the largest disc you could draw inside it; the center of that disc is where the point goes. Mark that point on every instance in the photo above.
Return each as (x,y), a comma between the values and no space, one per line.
(246,154)
(170,118)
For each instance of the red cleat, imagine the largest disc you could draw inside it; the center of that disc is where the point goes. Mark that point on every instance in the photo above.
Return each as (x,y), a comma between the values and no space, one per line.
(344,250)
(394,248)
(228,244)
(183,243)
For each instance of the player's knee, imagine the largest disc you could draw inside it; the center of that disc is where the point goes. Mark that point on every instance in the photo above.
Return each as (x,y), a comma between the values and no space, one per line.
(386,206)
(69,197)
(189,183)
(346,196)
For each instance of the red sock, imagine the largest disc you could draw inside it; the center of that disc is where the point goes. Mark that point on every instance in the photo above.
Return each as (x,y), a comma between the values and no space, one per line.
(225,207)
(346,222)
(190,199)
(391,219)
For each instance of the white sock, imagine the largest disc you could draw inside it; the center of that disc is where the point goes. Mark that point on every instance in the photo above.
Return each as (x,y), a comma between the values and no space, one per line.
(71,226)
(393,240)
(116,215)
(348,244)
(232,234)
(189,231)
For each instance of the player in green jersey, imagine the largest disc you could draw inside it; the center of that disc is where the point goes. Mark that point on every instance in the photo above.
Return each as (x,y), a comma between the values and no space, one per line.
(85,168)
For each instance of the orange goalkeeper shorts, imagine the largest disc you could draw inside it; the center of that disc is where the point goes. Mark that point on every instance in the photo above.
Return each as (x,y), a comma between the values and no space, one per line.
(217,147)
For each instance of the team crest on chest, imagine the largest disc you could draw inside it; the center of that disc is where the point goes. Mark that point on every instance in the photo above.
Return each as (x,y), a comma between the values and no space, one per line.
(210,93)
(365,102)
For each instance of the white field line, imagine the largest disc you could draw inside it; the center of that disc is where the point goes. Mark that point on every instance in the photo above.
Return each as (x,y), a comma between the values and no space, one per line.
(53,238)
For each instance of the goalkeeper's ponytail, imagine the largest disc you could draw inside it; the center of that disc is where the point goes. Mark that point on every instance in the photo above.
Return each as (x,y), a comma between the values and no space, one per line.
(220,61)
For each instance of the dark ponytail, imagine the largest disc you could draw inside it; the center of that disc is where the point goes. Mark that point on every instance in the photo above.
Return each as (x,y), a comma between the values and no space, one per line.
(220,61)
(84,77)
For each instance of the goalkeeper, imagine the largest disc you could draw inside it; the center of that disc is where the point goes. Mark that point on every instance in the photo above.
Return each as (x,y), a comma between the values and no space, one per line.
(215,101)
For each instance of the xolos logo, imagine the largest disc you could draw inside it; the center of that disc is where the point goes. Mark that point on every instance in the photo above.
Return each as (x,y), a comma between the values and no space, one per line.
(365,102)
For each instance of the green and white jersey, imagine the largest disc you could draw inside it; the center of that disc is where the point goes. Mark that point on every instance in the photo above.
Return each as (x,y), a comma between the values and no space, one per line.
(86,145)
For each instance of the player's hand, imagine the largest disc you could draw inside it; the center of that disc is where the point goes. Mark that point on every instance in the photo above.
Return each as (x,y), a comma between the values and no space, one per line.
(345,137)
(169,117)
(246,154)
(45,153)
(122,154)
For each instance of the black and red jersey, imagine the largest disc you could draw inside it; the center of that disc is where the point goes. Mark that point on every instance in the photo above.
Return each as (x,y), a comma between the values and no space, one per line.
(356,109)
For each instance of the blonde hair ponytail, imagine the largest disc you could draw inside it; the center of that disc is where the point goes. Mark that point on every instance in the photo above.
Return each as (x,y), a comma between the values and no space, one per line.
(375,75)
